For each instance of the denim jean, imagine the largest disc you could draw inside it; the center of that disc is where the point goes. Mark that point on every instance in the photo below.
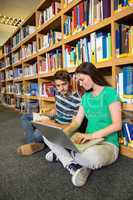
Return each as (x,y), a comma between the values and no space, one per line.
(31,133)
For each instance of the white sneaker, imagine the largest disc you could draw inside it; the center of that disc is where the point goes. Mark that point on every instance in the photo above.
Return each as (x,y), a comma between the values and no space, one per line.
(79,178)
(51,157)
(79,174)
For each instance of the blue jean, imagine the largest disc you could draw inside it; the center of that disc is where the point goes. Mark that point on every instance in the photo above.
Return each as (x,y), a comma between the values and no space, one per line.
(31,133)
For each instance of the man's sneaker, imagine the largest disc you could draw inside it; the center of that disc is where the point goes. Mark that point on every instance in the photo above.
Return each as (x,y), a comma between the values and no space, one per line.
(29,149)
(51,157)
(79,174)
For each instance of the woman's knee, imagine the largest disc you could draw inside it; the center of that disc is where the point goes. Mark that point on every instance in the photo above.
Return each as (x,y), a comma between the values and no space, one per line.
(95,159)
(92,158)
(100,156)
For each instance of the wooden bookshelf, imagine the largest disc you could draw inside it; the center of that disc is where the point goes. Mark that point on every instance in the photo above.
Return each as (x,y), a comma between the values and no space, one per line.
(55,46)
(126,151)
(128,107)
(124,60)
(56,22)
(49,99)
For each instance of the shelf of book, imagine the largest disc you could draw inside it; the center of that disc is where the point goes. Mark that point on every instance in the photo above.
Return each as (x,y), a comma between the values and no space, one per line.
(43,27)
(16,47)
(30,97)
(8,80)
(26,78)
(18,80)
(31,57)
(49,99)
(7,54)
(2,81)
(9,93)
(104,64)
(124,59)
(28,37)
(128,107)
(123,13)
(67,7)
(2,69)
(17,63)
(46,74)
(126,151)
(2,56)
(7,67)
(92,28)
(49,22)
(45,50)
(9,106)
(19,96)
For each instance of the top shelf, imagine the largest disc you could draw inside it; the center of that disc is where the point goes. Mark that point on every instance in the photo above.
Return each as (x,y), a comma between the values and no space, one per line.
(107,25)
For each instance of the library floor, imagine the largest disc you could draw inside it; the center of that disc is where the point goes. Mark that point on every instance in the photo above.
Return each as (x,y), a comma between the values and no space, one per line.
(33,178)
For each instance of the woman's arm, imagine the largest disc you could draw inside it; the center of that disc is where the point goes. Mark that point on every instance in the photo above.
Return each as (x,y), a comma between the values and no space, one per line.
(76,122)
(115,111)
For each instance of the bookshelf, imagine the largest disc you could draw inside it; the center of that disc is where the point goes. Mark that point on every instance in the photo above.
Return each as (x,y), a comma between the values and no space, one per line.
(126,151)
(128,107)
(51,36)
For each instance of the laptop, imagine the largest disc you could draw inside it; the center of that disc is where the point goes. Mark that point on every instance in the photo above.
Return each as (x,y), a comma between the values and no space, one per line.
(56,135)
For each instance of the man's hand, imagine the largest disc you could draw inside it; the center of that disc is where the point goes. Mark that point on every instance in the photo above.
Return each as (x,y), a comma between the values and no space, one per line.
(70,129)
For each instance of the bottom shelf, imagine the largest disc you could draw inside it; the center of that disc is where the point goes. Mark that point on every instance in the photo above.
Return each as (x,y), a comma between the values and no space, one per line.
(126,151)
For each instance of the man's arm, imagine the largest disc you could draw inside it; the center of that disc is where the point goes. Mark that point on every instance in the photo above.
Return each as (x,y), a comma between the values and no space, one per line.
(51,112)
(46,115)
(76,122)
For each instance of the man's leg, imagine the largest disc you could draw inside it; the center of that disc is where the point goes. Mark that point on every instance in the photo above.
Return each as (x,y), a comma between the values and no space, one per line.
(28,127)
(33,136)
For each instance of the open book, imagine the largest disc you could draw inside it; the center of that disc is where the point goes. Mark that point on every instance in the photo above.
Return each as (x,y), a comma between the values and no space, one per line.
(38,117)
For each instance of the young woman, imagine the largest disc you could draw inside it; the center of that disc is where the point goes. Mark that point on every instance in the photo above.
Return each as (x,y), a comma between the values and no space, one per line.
(100,104)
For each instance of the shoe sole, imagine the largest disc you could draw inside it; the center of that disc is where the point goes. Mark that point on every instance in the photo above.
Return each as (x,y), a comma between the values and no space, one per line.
(50,158)
(80,177)
(29,149)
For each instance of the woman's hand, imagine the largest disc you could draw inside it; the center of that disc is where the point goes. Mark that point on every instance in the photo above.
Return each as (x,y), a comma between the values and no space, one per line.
(81,138)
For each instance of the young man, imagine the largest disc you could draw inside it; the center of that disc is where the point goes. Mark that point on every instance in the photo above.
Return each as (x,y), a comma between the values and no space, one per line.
(66,106)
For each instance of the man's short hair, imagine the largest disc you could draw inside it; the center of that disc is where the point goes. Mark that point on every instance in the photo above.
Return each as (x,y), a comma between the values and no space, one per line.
(62,75)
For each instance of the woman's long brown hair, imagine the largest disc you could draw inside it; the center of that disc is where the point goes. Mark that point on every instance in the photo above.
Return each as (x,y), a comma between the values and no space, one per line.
(89,69)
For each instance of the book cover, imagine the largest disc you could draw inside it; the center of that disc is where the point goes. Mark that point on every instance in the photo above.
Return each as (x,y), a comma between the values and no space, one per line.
(106,8)
(128,80)
(127,130)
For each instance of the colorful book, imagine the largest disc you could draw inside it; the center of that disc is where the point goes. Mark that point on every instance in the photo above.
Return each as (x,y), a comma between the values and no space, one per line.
(128,131)
(128,80)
